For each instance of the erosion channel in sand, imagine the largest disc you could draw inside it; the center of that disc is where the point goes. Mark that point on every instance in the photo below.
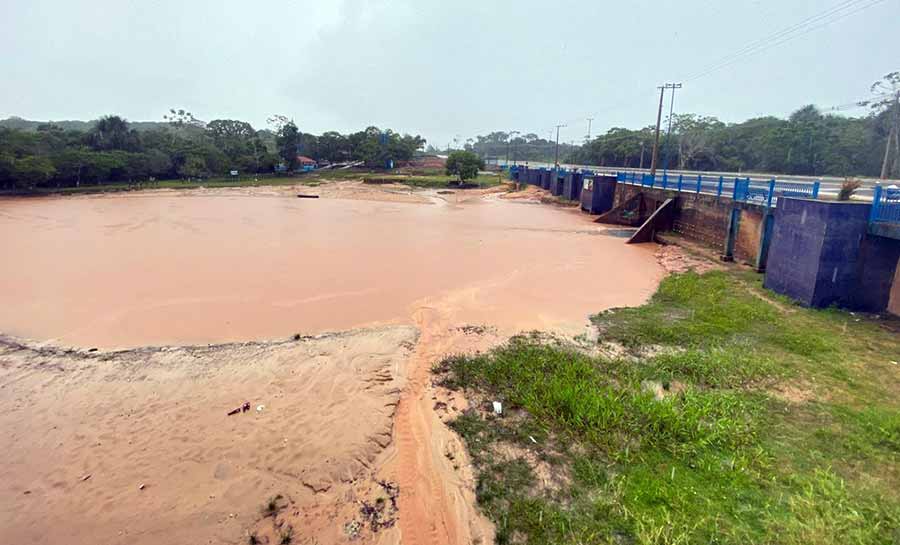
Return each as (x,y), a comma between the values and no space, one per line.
(227,272)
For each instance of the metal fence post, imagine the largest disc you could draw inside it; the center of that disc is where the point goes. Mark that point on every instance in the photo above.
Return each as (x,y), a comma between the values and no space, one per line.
(876,199)
(771,192)
(665,181)
(816,189)
(699,182)
(679,183)
(734,191)
(721,181)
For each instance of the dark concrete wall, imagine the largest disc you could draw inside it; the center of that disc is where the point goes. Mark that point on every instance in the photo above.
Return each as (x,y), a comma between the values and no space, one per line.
(821,255)
(818,252)
(572,186)
(557,178)
(600,194)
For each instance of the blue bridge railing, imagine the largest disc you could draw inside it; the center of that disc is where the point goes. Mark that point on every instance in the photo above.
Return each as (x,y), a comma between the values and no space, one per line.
(885,205)
(764,192)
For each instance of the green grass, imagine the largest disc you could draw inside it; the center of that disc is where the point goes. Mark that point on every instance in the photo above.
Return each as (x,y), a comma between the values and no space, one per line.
(114,187)
(723,456)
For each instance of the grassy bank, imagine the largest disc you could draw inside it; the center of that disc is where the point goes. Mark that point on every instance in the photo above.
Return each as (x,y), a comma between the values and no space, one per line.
(425,180)
(115,187)
(719,414)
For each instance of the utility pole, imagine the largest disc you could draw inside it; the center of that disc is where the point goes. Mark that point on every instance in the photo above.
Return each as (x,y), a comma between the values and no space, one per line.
(669,131)
(655,157)
(509,137)
(507,152)
(642,156)
(589,120)
(556,161)
(892,134)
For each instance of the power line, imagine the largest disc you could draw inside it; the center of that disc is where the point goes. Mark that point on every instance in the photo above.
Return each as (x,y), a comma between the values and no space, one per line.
(861,103)
(797,26)
(762,42)
(831,15)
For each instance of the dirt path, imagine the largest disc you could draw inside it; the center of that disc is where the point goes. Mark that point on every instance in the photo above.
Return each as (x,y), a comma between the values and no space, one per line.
(437,503)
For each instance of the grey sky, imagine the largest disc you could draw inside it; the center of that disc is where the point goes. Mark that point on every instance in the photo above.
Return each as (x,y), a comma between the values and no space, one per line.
(436,68)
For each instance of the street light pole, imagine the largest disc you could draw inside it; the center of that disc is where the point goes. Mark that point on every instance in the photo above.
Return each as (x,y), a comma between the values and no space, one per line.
(589,120)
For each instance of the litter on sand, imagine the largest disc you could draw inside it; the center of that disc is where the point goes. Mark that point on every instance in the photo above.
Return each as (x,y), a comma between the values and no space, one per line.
(242,409)
(301,196)
(259,408)
(498,407)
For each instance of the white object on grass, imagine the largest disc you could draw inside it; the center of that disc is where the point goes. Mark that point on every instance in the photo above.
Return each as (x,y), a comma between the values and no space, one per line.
(498,407)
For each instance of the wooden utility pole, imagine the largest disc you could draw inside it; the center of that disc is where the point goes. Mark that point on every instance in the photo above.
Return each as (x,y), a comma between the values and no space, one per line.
(655,155)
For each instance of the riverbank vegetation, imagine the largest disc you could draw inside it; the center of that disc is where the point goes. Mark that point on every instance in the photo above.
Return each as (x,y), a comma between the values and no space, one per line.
(112,151)
(715,413)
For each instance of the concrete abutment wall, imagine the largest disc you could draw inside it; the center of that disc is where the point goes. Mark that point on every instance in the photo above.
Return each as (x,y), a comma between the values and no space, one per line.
(832,260)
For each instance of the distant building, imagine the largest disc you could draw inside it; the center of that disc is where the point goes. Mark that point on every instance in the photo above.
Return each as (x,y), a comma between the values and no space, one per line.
(427,161)
(305,164)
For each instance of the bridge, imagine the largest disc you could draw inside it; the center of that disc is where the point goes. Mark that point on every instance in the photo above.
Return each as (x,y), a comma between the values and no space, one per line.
(829,185)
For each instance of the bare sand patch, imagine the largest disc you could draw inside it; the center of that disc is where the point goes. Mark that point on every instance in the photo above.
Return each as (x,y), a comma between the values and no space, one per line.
(84,431)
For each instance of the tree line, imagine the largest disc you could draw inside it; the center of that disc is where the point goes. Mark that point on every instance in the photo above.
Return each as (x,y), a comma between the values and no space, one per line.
(183,147)
(806,143)
(517,147)
(809,142)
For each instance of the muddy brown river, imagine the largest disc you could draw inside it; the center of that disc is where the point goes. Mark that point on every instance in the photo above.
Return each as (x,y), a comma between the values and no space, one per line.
(186,268)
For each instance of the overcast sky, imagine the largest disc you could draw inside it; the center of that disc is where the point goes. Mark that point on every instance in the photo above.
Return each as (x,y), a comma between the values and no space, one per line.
(435,68)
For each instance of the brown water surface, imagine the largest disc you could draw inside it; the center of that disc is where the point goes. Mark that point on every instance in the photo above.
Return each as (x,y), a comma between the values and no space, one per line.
(122,271)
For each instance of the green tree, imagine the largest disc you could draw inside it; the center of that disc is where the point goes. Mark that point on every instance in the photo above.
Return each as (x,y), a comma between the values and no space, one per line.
(886,105)
(334,147)
(111,132)
(288,142)
(226,130)
(464,164)
(32,171)
(193,167)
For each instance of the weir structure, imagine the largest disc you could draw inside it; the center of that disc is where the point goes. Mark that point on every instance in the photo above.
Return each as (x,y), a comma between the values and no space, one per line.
(817,252)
